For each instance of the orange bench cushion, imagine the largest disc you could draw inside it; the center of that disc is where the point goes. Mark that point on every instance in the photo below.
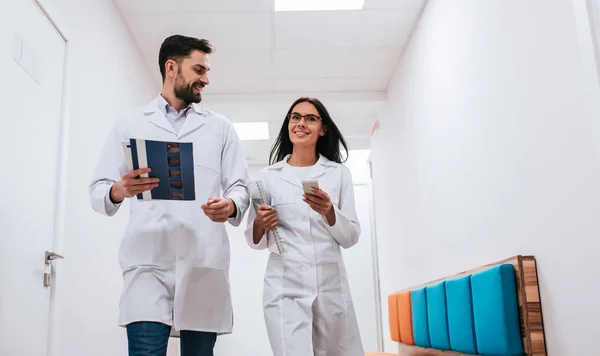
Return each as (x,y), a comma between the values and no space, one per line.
(393,317)
(405,318)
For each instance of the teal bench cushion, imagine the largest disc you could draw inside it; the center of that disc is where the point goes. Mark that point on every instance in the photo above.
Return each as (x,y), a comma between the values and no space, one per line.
(460,315)
(437,316)
(418,299)
(495,312)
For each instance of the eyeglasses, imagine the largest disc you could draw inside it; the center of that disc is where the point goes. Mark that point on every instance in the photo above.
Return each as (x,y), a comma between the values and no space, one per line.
(310,119)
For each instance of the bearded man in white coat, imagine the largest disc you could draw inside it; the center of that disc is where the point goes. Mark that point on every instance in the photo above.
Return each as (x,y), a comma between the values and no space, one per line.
(175,254)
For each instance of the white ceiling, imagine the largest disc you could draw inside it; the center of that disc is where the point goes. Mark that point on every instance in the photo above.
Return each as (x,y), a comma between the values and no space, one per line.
(259,50)
(264,59)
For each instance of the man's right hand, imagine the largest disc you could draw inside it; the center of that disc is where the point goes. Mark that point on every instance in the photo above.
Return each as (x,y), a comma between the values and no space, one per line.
(266,217)
(130,185)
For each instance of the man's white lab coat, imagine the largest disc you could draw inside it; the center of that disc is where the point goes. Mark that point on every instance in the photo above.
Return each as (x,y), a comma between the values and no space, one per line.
(175,260)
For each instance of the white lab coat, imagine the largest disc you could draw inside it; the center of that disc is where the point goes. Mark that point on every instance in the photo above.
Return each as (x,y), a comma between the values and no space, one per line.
(175,260)
(307,303)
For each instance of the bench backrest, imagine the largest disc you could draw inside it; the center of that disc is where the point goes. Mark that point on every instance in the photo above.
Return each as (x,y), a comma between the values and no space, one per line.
(491,310)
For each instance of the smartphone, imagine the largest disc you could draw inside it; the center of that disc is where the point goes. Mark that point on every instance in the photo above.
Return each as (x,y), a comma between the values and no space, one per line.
(308,183)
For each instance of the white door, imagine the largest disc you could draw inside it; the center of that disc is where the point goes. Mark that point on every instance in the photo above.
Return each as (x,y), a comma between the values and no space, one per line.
(32,62)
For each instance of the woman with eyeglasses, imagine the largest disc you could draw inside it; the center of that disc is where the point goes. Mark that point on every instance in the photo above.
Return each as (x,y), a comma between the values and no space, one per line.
(307,303)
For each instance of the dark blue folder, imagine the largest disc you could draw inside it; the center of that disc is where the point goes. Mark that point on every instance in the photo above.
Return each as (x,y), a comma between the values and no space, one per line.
(171,162)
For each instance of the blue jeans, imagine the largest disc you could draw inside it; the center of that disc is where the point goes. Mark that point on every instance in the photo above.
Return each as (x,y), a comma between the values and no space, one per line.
(151,338)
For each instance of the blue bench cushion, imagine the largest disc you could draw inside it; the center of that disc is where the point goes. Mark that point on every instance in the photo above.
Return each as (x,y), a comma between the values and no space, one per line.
(460,315)
(495,312)
(418,300)
(437,316)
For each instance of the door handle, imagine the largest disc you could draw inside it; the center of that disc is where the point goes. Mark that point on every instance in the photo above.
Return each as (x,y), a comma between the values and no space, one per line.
(48,258)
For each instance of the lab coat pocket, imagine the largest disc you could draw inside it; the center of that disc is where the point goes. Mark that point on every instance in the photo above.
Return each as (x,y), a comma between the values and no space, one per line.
(330,285)
(207,154)
(205,297)
(298,281)
(216,249)
(138,243)
(331,306)
(207,161)
(272,286)
(283,202)
(331,313)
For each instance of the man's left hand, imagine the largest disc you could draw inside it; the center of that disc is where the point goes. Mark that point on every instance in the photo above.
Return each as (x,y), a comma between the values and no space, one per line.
(218,209)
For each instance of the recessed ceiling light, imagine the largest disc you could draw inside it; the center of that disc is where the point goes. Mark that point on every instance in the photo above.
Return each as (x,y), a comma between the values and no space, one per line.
(252,130)
(318,5)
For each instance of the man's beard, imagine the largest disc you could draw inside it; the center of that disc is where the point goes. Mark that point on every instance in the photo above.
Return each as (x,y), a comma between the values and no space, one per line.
(186,92)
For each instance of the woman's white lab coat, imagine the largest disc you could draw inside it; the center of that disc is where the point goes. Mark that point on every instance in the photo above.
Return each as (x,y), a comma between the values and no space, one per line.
(306,298)
(175,260)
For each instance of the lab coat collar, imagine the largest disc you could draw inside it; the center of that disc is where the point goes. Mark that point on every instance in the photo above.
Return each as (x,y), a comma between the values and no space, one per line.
(284,171)
(154,105)
(192,122)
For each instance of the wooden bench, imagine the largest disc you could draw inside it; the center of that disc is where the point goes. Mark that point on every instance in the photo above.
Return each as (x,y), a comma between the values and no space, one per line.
(491,310)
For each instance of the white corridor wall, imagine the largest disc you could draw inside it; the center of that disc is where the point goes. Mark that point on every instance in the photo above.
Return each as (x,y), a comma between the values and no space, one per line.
(489,148)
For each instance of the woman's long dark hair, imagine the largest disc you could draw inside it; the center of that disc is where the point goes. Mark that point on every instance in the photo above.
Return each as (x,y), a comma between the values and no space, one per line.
(328,145)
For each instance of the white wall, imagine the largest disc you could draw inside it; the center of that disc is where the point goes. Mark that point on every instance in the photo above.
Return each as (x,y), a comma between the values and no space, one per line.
(487,149)
(106,78)
(587,16)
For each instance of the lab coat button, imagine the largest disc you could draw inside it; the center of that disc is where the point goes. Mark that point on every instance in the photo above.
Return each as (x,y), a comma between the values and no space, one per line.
(181,226)
(305,218)
(180,258)
(312,266)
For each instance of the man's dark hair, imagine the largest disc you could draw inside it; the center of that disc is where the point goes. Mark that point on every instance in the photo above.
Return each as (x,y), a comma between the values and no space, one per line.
(177,47)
